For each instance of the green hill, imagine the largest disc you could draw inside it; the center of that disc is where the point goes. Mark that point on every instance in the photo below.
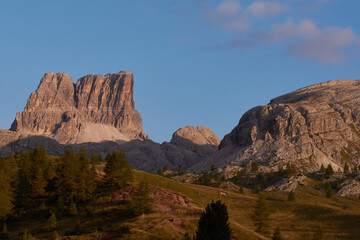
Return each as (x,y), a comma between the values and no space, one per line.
(177,208)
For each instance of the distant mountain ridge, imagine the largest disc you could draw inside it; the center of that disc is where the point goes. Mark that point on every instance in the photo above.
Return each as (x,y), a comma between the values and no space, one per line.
(313,126)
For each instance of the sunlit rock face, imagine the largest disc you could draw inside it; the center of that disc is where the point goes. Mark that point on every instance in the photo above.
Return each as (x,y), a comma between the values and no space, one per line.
(95,109)
(313,126)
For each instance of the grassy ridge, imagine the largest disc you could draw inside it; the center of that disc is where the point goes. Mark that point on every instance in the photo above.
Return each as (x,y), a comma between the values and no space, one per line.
(340,217)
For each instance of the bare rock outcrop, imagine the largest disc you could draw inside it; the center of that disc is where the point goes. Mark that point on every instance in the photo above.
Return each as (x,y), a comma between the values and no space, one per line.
(96,108)
(288,184)
(350,187)
(198,135)
(313,126)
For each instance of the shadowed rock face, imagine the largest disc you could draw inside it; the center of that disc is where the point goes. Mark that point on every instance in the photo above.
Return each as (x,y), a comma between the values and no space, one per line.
(142,155)
(94,109)
(315,125)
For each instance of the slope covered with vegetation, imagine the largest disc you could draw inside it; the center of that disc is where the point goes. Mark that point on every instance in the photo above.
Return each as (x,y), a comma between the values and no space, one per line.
(53,198)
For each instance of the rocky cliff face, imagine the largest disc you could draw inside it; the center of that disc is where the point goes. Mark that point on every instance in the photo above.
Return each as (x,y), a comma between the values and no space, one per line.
(199,135)
(315,125)
(95,109)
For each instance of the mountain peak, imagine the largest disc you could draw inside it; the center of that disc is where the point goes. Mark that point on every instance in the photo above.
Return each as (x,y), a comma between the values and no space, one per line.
(68,112)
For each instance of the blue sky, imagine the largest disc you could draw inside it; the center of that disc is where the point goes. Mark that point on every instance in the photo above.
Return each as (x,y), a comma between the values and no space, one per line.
(195,62)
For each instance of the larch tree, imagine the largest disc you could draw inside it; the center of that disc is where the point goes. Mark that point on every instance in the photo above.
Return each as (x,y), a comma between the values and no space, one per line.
(262,214)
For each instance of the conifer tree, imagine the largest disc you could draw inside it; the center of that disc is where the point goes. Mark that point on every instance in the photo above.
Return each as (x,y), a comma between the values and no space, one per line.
(329,191)
(76,179)
(214,223)
(187,237)
(4,235)
(329,171)
(213,167)
(160,172)
(277,234)
(52,220)
(54,235)
(205,178)
(142,203)
(319,233)
(66,175)
(291,196)
(38,183)
(254,166)
(85,177)
(262,214)
(27,235)
(117,169)
(23,187)
(346,169)
(73,209)
(60,207)
(6,194)
(322,168)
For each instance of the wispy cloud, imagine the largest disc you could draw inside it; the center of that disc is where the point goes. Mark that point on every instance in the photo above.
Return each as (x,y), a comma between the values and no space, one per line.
(305,39)
(260,9)
(229,15)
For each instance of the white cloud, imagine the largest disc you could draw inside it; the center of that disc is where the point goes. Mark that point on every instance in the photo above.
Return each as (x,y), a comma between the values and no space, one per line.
(230,16)
(228,8)
(261,8)
(307,40)
(304,39)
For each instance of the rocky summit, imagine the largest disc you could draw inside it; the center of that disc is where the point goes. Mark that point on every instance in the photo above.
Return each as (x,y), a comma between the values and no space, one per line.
(95,109)
(313,126)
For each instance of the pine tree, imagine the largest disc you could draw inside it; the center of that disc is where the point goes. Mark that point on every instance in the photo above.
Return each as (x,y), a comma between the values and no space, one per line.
(277,234)
(291,196)
(27,235)
(254,166)
(117,169)
(4,235)
(160,172)
(187,237)
(142,203)
(262,214)
(346,169)
(52,221)
(329,191)
(54,235)
(38,183)
(322,168)
(85,177)
(76,180)
(73,209)
(23,187)
(6,194)
(214,223)
(60,207)
(319,233)
(213,167)
(290,170)
(329,171)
